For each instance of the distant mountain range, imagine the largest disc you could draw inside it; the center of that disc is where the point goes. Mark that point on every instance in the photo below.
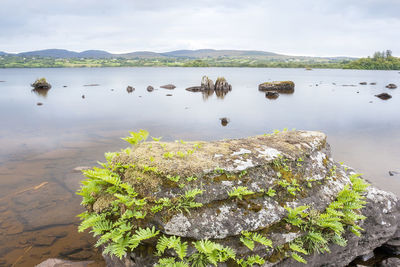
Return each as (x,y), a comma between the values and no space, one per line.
(193,54)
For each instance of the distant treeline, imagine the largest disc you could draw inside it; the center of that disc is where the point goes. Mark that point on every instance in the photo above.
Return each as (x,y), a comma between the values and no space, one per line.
(379,61)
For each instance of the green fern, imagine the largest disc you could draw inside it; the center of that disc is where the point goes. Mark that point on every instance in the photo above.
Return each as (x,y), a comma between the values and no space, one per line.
(298,258)
(298,248)
(210,253)
(239,192)
(136,137)
(170,262)
(295,216)
(174,243)
(251,261)
(248,239)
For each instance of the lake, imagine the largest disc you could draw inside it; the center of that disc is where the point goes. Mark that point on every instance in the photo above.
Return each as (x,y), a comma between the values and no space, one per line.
(40,145)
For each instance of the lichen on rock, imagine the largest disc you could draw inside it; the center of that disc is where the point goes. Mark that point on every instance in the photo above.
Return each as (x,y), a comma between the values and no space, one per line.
(256,200)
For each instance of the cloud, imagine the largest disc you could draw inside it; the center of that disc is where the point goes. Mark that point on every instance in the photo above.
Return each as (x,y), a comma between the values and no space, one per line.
(336,27)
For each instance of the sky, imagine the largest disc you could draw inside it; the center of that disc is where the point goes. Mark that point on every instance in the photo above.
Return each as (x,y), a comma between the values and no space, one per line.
(292,27)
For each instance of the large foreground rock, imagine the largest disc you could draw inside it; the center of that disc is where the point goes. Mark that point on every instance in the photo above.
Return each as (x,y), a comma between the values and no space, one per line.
(287,169)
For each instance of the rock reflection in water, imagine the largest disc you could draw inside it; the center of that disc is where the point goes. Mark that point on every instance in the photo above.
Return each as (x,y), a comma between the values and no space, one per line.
(221,93)
(41,91)
(206,94)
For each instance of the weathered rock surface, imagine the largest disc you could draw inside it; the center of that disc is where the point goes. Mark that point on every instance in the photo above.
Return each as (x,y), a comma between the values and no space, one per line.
(260,164)
(222,85)
(207,84)
(285,87)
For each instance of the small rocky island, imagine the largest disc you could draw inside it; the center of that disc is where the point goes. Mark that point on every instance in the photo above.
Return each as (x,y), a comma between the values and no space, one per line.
(41,84)
(207,85)
(271,200)
(284,87)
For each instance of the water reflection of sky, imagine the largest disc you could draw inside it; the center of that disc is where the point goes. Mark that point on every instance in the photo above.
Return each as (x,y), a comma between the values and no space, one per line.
(317,104)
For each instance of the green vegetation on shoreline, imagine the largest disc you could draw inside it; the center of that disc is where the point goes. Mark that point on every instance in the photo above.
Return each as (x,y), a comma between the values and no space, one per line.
(380,61)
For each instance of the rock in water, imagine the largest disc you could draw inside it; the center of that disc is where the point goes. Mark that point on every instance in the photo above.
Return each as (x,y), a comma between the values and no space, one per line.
(222,85)
(391,86)
(150,88)
(267,199)
(207,84)
(168,86)
(64,263)
(130,89)
(271,95)
(384,96)
(194,89)
(41,84)
(224,121)
(285,87)
(363,83)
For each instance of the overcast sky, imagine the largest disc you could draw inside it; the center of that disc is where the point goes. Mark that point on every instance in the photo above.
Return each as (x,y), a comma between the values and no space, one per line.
(295,27)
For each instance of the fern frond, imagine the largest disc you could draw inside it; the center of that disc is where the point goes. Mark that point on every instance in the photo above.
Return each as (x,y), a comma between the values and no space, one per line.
(250,261)
(295,247)
(239,192)
(247,242)
(193,193)
(298,258)
(89,221)
(261,239)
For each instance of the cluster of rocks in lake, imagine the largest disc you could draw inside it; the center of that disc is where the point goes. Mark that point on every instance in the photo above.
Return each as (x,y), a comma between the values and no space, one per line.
(253,164)
(273,89)
(207,87)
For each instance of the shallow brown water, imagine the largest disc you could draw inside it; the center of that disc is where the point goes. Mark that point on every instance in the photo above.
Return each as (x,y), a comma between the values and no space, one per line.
(41,145)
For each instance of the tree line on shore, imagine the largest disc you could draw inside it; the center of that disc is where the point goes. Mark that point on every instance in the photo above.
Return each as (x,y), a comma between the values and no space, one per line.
(379,61)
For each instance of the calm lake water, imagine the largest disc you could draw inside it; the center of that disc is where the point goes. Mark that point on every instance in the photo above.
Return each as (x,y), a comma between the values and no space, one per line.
(41,145)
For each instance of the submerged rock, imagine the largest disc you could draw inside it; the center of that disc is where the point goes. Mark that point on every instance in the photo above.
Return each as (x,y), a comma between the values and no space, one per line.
(384,96)
(285,87)
(130,89)
(224,121)
(271,95)
(269,198)
(168,86)
(150,88)
(363,83)
(391,86)
(64,263)
(373,83)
